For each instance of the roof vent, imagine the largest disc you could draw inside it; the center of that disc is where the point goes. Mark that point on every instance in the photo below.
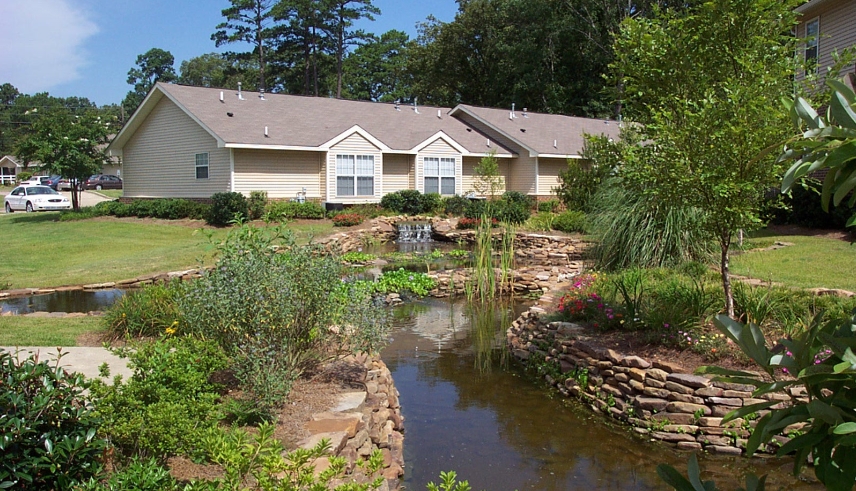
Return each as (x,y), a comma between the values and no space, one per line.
(415,106)
(262,94)
(266,132)
(221,97)
(555,143)
(439,114)
(511,115)
(240,94)
(525,112)
(397,106)
(488,142)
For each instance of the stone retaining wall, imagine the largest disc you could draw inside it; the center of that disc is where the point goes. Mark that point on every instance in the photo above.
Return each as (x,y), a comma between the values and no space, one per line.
(525,280)
(655,397)
(363,422)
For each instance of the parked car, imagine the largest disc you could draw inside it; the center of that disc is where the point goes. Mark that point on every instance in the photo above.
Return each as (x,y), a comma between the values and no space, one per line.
(36,181)
(65,184)
(52,182)
(103,181)
(35,198)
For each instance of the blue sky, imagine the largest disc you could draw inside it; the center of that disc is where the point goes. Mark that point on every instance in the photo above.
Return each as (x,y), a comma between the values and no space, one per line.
(86,47)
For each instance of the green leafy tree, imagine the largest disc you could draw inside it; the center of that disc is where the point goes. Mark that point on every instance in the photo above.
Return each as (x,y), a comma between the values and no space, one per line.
(377,70)
(705,84)
(155,65)
(488,181)
(249,21)
(68,145)
(302,50)
(342,15)
(220,70)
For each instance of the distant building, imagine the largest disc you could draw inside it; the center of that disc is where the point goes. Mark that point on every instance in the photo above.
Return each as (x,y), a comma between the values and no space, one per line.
(192,142)
(828,26)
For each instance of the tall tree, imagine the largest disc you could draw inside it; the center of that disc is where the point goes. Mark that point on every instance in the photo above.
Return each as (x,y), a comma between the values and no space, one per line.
(377,70)
(67,144)
(706,85)
(249,21)
(155,65)
(342,14)
(8,94)
(302,47)
(220,70)
(19,111)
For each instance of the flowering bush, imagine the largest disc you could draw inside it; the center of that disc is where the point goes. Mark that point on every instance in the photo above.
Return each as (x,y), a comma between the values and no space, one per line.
(583,303)
(347,219)
(709,346)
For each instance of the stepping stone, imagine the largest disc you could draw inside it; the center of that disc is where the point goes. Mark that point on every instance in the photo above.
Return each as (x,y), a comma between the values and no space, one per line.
(349,401)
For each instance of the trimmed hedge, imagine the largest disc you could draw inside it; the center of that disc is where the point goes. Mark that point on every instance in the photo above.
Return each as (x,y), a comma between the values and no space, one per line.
(226,207)
(288,210)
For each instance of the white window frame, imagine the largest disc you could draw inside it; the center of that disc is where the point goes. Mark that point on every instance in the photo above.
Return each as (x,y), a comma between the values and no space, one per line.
(812,43)
(206,165)
(442,174)
(356,173)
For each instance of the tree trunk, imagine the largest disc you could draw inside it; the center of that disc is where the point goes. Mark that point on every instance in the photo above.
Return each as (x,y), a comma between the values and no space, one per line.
(340,53)
(724,244)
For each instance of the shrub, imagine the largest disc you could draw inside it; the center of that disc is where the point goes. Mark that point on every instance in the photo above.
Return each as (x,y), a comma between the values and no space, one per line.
(147,312)
(289,210)
(256,204)
(541,221)
(139,475)
(279,313)
(168,404)
(432,204)
(455,205)
(803,207)
(548,206)
(226,208)
(47,429)
(583,302)
(411,202)
(355,257)
(347,220)
(570,222)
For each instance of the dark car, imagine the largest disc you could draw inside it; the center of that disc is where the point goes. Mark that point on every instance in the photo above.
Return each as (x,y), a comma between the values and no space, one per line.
(52,182)
(103,181)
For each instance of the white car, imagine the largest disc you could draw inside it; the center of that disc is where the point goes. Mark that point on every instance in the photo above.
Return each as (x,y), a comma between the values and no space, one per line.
(36,181)
(35,198)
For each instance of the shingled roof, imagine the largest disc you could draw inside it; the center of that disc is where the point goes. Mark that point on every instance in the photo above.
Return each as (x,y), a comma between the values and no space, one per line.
(280,121)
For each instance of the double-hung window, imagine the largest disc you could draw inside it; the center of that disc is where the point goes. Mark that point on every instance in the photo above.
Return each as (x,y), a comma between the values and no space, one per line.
(440,175)
(355,175)
(202,165)
(812,34)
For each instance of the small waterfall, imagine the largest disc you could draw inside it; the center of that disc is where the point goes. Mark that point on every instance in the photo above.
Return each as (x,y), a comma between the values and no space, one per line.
(414,232)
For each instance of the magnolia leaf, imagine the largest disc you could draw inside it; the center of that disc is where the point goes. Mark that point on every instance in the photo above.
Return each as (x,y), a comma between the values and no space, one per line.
(841,111)
(826,190)
(673,478)
(845,429)
(746,410)
(852,221)
(708,369)
(806,441)
(758,436)
(843,89)
(807,114)
(824,412)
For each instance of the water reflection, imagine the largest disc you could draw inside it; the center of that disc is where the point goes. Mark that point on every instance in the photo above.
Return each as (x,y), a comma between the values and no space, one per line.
(466,412)
(67,301)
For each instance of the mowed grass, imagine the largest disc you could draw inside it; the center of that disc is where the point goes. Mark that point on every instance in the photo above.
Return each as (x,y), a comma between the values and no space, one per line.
(18,330)
(812,262)
(112,193)
(40,251)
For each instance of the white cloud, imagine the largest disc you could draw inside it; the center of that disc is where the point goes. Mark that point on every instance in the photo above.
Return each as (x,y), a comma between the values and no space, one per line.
(41,43)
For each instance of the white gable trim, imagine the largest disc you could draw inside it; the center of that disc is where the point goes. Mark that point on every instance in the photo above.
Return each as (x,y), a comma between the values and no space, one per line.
(532,151)
(253,146)
(559,156)
(355,129)
(146,107)
(440,135)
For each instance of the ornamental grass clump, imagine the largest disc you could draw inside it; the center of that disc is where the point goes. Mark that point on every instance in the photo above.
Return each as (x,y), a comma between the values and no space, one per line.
(279,309)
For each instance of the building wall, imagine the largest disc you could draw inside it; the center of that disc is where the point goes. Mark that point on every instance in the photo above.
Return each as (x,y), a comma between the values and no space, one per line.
(355,144)
(469,173)
(282,174)
(439,148)
(837,24)
(397,172)
(548,174)
(159,160)
(522,175)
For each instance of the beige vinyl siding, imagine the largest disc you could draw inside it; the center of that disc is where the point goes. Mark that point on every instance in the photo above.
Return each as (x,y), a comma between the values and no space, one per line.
(397,172)
(837,25)
(548,174)
(469,173)
(355,144)
(442,149)
(282,174)
(159,160)
(522,175)
(323,176)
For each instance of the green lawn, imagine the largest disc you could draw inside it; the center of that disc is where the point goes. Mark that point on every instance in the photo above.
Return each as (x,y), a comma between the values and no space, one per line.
(112,193)
(45,331)
(812,262)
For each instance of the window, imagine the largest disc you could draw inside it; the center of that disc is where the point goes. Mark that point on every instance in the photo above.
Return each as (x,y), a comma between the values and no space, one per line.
(440,175)
(355,175)
(812,31)
(202,166)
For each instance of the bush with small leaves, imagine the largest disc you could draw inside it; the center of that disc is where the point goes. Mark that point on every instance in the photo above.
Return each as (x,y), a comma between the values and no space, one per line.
(347,219)
(226,208)
(48,431)
(148,312)
(570,222)
(256,204)
(455,205)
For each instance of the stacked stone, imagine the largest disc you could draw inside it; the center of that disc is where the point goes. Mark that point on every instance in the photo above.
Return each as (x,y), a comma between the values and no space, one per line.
(534,279)
(364,422)
(654,397)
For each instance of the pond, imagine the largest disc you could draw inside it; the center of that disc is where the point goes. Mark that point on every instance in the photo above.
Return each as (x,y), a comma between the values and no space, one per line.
(469,409)
(63,301)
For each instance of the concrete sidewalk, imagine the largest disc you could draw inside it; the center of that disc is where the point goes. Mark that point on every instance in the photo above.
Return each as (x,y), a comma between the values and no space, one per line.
(85,360)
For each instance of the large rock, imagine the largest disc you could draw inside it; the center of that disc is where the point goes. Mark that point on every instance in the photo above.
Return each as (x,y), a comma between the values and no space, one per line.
(350,423)
(651,403)
(693,381)
(337,439)
(688,408)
